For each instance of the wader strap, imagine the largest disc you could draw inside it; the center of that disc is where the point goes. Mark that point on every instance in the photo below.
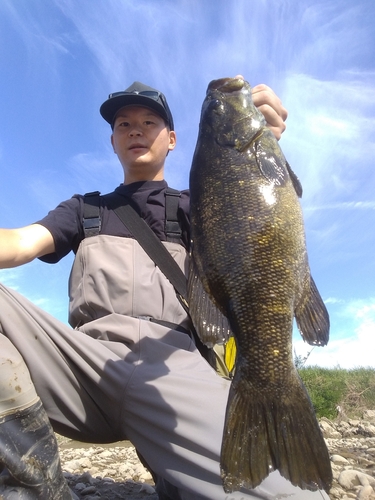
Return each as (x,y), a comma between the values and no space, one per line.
(173,229)
(151,244)
(92,221)
(91,215)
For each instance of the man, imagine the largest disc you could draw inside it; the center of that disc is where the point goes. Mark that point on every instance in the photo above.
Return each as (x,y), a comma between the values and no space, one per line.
(128,368)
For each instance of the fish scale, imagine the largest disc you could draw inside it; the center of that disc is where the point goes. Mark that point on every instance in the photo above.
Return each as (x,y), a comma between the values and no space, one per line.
(249,262)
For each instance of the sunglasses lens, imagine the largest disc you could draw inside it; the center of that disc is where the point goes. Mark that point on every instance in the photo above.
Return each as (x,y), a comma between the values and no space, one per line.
(146,93)
(115,94)
(151,94)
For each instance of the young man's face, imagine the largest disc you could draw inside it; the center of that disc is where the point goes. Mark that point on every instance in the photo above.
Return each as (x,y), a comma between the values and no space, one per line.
(141,141)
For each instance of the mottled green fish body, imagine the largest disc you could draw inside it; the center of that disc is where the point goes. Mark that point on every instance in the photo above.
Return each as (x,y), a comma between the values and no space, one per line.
(249,253)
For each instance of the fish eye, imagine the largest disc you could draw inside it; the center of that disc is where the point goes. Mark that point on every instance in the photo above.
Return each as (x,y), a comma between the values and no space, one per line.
(218,107)
(215,105)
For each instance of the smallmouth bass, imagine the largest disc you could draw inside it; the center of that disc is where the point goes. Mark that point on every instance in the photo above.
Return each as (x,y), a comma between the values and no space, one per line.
(249,259)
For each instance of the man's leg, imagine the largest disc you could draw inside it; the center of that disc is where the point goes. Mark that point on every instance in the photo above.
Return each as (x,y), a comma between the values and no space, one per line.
(74,374)
(29,459)
(144,383)
(67,368)
(174,409)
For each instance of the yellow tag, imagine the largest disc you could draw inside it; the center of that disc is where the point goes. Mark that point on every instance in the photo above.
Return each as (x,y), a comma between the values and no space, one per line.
(230,354)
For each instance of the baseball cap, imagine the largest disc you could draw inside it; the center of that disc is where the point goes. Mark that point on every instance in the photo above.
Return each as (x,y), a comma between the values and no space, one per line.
(140,95)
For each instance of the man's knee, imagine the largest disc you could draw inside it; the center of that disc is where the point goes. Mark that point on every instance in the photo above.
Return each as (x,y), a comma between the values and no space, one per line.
(16,388)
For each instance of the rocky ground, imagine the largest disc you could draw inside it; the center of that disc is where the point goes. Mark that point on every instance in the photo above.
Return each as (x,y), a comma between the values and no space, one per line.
(114,472)
(351,443)
(105,472)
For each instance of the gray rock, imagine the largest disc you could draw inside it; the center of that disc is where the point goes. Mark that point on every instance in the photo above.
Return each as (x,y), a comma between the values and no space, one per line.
(369,415)
(365,493)
(328,429)
(112,472)
(339,460)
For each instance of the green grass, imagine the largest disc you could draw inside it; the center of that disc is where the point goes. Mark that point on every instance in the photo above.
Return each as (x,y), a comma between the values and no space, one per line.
(352,390)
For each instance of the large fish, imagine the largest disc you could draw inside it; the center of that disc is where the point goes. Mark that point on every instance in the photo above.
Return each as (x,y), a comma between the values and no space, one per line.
(249,253)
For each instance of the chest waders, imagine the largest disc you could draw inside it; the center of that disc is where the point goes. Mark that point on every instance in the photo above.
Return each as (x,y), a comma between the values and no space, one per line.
(155,250)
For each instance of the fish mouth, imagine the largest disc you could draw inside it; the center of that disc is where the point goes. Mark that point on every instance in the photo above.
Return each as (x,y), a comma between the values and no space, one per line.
(226,85)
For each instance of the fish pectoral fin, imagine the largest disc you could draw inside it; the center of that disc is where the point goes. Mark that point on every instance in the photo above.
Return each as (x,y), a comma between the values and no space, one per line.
(210,323)
(269,429)
(272,166)
(295,181)
(312,317)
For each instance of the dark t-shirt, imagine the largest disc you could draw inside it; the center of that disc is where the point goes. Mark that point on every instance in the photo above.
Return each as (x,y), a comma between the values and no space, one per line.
(65,221)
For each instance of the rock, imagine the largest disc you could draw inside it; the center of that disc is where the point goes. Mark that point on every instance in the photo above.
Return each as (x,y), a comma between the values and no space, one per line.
(369,415)
(348,479)
(352,457)
(147,488)
(328,429)
(365,493)
(72,465)
(339,460)
(88,490)
(366,429)
(114,472)
(118,472)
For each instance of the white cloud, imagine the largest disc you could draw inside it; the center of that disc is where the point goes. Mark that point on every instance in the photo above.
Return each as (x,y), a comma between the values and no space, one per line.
(43,285)
(345,205)
(330,134)
(312,53)
(333,300)
(11,277)
(90,170)
(354,346)
(36,28)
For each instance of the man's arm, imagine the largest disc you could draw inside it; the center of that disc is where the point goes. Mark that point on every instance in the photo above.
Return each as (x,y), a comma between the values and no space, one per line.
(18,246)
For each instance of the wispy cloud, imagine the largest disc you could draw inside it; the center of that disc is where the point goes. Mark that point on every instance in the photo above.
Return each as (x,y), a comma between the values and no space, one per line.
(331,132)
(12,277)
(39,36)
(344,205)
(318,56)
(89,170)
(353,343)
(44,286)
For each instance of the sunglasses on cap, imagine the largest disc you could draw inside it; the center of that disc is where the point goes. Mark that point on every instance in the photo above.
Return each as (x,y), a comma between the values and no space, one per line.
(155,95)
(152,94)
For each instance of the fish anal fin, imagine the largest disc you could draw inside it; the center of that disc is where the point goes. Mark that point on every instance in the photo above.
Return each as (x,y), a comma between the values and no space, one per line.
(265,433)
(210,323)
(312,316)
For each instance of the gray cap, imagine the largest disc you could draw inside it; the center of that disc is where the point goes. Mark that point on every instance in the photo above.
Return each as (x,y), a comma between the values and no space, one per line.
(137,94)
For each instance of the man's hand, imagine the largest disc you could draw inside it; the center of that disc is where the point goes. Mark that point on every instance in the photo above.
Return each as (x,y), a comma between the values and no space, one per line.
(271,107)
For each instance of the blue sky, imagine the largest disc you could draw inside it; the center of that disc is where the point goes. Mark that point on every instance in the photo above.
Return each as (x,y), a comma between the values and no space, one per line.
(59,59)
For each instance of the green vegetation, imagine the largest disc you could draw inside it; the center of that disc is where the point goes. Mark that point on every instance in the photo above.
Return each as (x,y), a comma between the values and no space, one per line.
(352,390)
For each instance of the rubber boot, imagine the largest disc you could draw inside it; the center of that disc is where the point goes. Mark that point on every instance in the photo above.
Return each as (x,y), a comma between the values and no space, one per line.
(30,458)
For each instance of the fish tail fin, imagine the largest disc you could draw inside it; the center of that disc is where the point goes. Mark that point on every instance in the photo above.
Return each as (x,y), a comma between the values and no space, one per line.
(265,432)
